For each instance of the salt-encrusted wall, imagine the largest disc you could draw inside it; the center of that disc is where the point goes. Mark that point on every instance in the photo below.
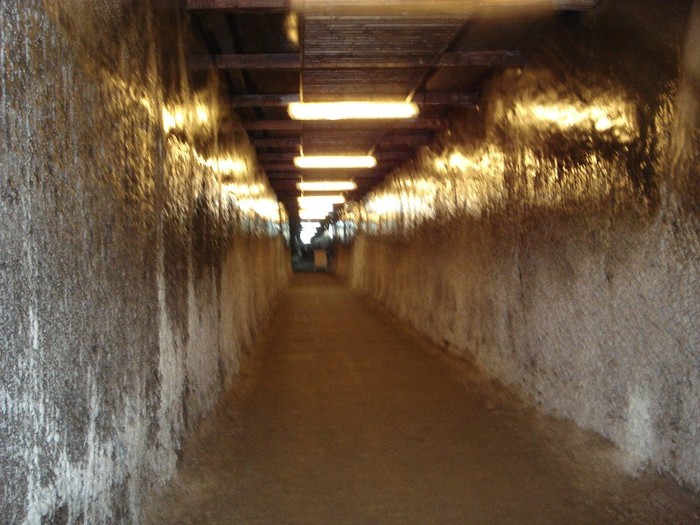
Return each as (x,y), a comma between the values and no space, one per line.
(554,235)
(139,255)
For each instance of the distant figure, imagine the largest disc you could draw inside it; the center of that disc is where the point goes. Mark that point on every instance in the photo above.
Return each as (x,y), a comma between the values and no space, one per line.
(320,259)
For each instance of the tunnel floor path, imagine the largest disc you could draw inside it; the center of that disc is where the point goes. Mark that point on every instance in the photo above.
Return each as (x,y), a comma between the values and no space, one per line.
(344,416)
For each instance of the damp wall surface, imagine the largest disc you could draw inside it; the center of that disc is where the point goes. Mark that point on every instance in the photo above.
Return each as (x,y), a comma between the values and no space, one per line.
(553,236)
(140,253)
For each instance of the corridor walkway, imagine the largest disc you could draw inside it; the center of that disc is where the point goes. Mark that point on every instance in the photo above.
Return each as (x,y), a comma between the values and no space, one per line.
(347,417)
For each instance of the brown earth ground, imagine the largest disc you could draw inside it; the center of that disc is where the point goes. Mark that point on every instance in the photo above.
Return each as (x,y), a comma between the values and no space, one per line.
(343,415)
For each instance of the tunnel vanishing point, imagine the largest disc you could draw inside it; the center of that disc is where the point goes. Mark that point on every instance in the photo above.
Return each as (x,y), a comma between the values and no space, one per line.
(539,216)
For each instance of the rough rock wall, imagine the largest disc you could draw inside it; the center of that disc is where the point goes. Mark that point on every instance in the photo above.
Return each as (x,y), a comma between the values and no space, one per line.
(139,255)
(554,237)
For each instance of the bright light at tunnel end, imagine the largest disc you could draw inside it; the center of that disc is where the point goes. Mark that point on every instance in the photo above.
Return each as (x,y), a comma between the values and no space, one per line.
(313,215)
(335,161)
(308,231)
(352,110)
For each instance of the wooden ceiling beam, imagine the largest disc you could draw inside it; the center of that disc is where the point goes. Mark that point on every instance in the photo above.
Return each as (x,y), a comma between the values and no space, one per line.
(288,156)
(371,7)
(271,101)
(296,125)
(406,141)
(446,8)
(272,125)
(277,157)
(289,184)
(293,193)
(488,58)
(283,181)
(281,167)
(422,99)
(446,99)
(393,154)
(277,143)
(374,173)
(495,58)
(575,5)
(282,175)
(238,5)
(247,61)
(290,202)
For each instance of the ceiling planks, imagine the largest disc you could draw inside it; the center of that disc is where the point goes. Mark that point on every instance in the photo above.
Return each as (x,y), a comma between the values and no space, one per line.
(281,51)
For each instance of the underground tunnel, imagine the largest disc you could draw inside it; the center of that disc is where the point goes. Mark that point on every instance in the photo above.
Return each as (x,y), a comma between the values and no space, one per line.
(508,197)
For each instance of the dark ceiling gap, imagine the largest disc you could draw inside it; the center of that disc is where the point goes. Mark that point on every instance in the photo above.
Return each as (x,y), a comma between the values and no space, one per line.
(234,81)
(212,45)
(459,35)
(301,35)
(244,75)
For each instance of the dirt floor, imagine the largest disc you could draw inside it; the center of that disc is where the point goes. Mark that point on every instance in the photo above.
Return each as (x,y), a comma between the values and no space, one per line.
(343,415)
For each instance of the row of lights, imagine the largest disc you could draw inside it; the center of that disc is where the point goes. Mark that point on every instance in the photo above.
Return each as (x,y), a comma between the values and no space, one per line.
(606,117)
(316,208)
(312,208)
(355,110)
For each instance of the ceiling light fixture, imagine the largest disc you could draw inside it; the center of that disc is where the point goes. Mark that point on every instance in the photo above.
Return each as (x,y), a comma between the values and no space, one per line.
(351,110)
(335,161)
(327,185)
(320,201)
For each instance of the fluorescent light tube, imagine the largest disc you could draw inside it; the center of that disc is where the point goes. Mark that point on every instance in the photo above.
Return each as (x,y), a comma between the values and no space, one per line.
(327,185)
(320,200)
(351,110)
(335,161)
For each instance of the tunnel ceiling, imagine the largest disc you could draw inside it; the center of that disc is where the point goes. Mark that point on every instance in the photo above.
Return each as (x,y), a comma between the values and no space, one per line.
(269,53)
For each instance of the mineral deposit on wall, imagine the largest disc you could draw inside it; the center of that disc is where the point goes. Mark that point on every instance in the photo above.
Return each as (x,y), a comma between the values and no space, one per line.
(554,235)
(140,252)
